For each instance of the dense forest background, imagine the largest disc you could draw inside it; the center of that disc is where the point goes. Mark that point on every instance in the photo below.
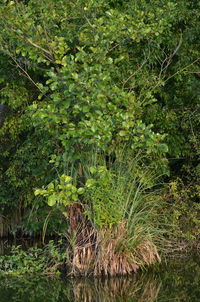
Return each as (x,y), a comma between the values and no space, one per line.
(100,116)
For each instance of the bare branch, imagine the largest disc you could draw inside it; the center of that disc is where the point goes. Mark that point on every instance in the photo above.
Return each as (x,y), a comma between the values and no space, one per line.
(168,60)
(35,45)
(182,69)
(25,73)
(88,21)
(134,73)
(38,46)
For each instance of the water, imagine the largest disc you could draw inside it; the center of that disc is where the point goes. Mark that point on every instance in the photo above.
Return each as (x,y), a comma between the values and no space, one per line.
(178,281)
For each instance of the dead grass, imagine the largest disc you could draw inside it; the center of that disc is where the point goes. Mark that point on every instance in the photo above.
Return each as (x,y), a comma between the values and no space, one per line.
(106,253)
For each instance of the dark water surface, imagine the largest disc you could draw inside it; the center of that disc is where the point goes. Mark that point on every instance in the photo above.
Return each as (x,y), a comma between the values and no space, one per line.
(179,280)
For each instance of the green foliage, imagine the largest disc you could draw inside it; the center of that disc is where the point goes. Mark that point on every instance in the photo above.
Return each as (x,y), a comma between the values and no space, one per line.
(185,210)
(82,96)
(60,192)
(64,101)
(126,193)
(45,260)
(103,204)
(95,75)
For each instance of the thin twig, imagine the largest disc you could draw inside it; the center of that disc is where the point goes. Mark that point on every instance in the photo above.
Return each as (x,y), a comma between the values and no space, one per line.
(110,49)
(88,21)
(193,72)
(3,88)
(38,46)
(181,70)
(35,45)
(169,59)
(26,73)
(134,73)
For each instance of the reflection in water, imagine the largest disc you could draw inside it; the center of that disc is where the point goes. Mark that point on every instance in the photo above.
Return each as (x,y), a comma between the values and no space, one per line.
(82,290)
(116,289)
(177,282)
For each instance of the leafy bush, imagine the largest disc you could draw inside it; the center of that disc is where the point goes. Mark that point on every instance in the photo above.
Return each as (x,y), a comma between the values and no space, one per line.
(45,260)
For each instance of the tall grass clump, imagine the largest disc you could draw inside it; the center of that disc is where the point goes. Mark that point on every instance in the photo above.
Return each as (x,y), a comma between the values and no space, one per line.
(113,208)
(116,228)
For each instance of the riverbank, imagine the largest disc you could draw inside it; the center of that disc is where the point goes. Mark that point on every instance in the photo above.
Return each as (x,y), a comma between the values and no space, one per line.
(176,280)
(54,259)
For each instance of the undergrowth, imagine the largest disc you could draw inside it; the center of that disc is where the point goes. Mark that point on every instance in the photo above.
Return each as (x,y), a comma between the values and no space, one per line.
(119,227)
(46,260)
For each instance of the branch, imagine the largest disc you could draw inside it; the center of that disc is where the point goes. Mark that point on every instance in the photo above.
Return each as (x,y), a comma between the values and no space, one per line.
(134,73)
(88,21)
(34,44)
(26,73)
(3,88)
(181,70)
(38,46)
(169,59)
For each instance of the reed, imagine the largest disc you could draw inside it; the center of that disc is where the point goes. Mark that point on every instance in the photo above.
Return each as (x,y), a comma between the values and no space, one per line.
(117,227)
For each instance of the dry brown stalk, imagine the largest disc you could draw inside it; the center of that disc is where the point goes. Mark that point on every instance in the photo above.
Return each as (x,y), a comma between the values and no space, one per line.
(105,252)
